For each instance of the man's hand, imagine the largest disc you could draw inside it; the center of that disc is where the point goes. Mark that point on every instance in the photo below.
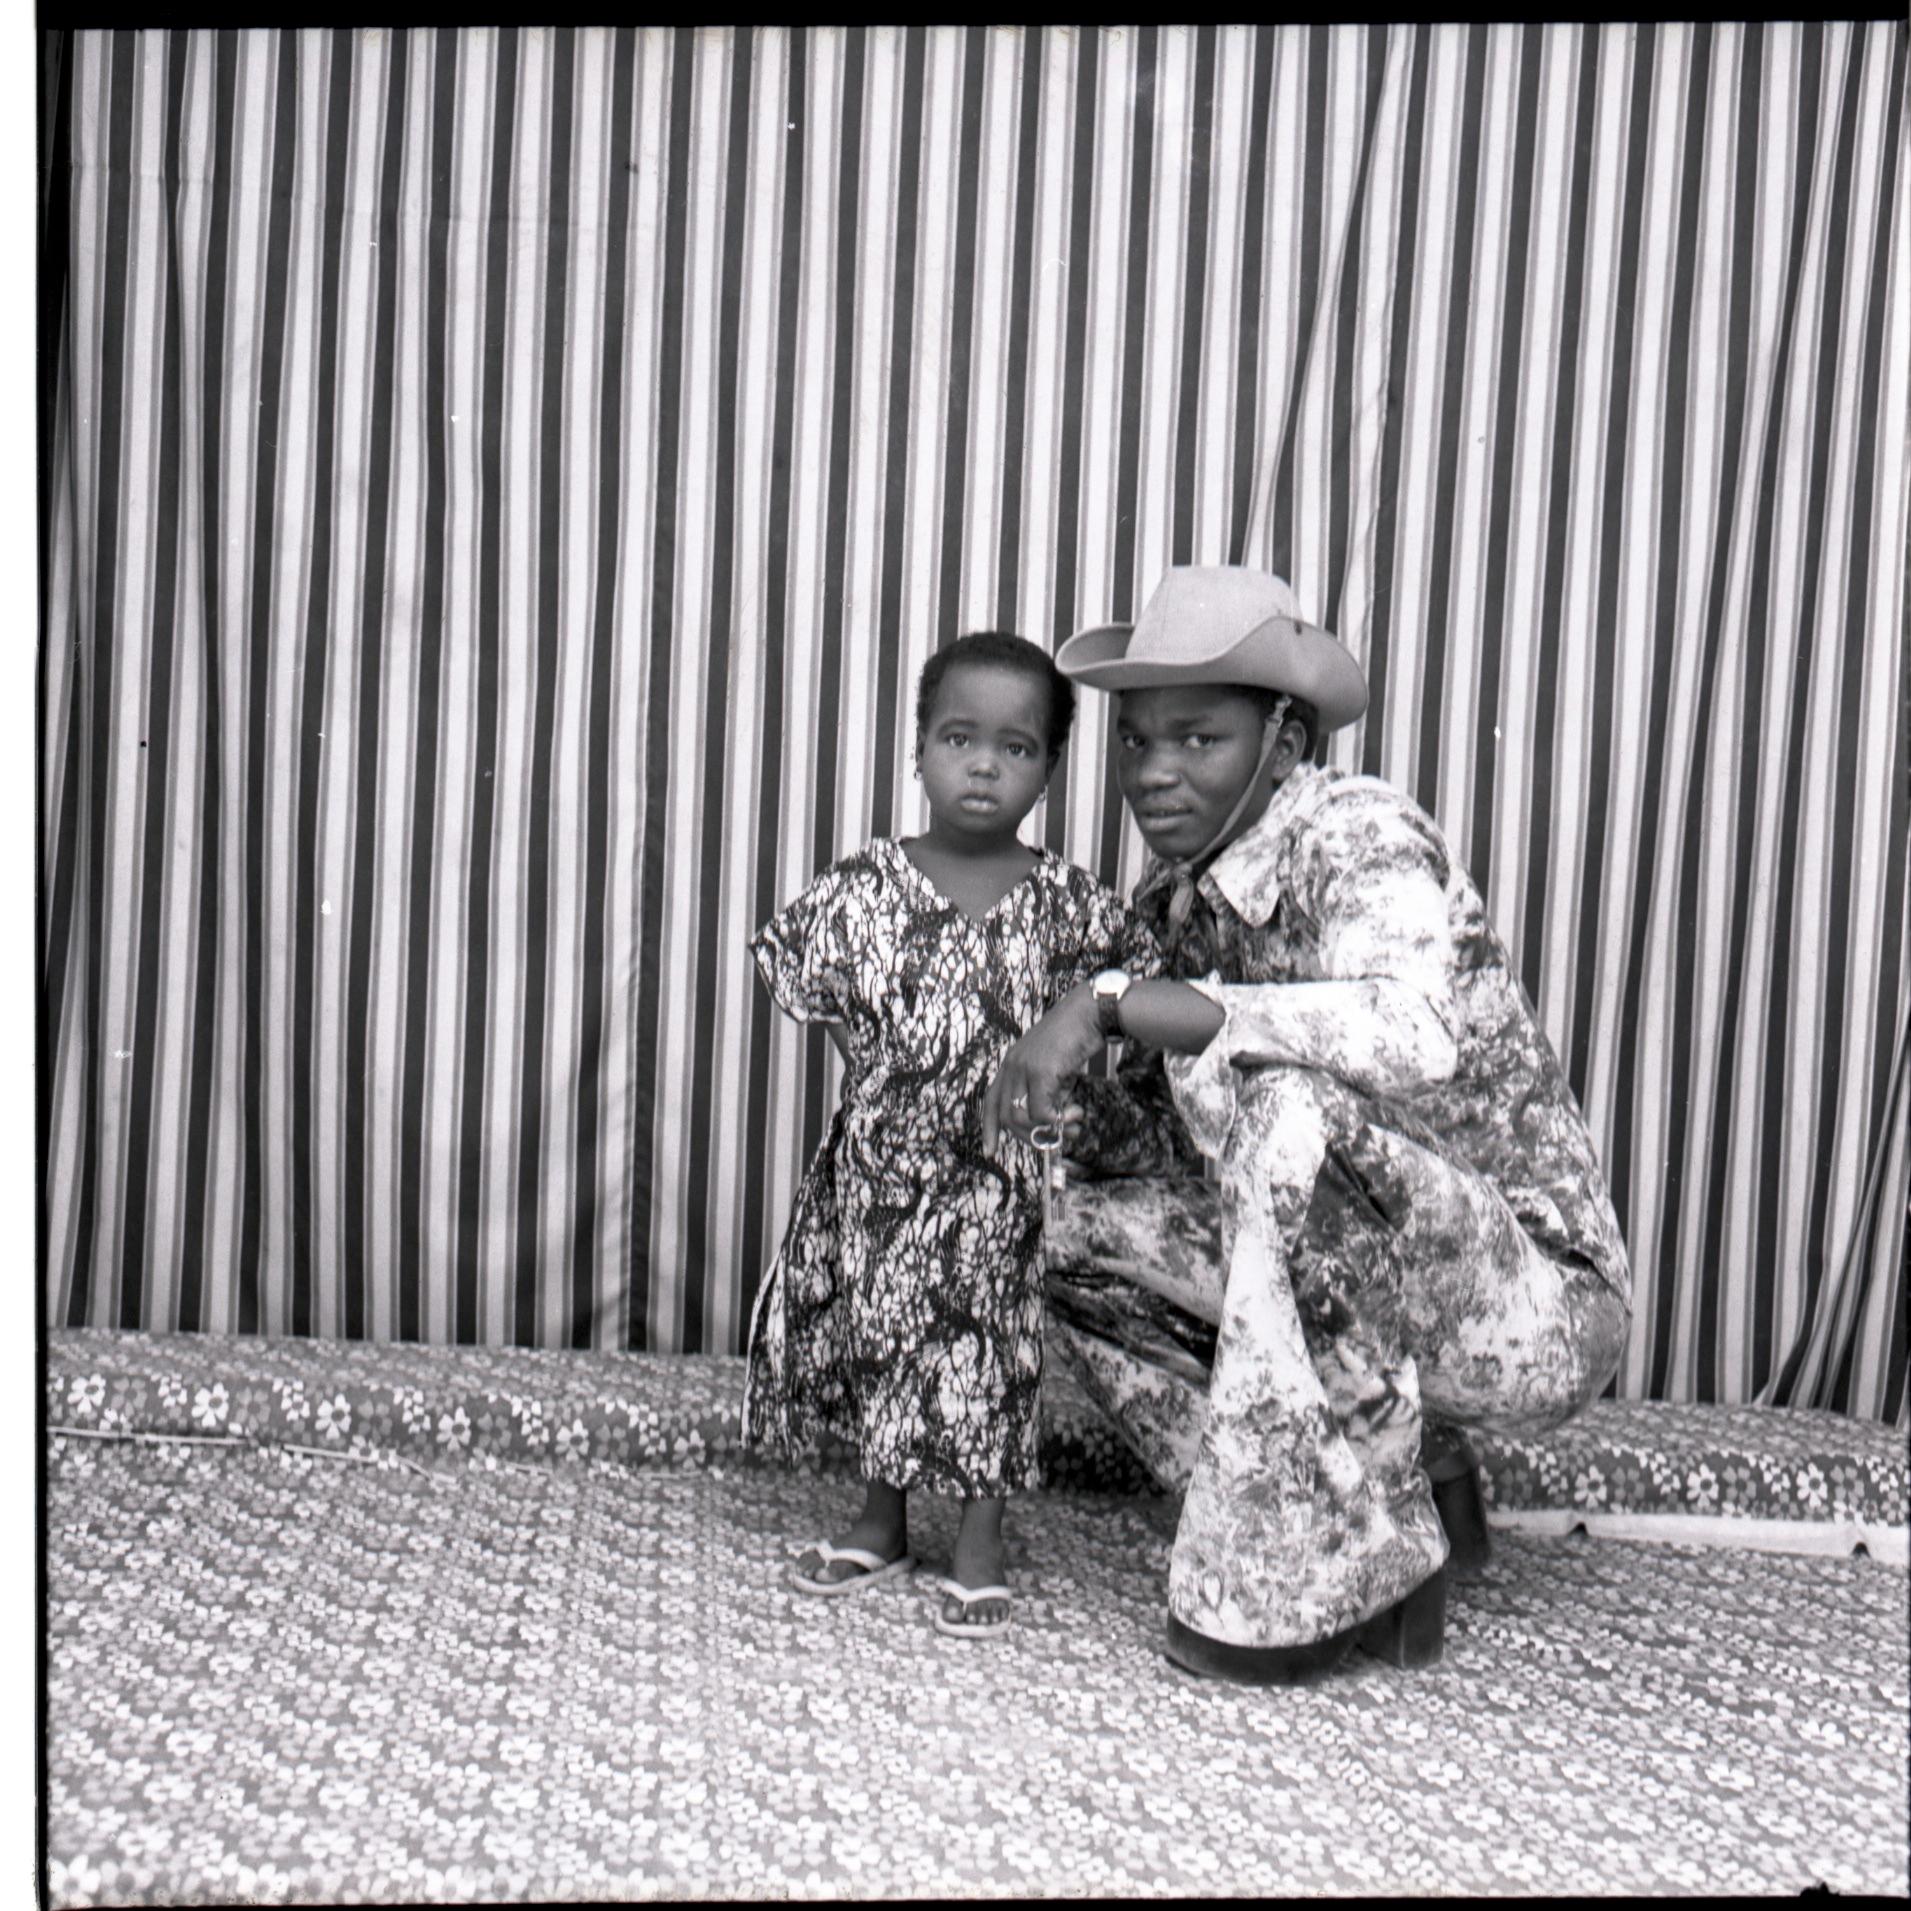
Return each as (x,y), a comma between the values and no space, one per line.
(1028,1089)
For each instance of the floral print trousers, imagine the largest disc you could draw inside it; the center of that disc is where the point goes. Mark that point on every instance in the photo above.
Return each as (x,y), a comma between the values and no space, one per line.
(1273,1340)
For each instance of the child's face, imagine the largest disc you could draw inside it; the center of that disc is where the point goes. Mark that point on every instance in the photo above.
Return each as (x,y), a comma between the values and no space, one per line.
(985,750)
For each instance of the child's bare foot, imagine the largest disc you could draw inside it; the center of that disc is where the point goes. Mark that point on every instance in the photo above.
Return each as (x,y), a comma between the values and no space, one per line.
(979,1562)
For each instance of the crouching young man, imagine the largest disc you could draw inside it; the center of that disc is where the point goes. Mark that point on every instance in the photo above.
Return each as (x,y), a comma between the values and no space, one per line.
(1338,1204)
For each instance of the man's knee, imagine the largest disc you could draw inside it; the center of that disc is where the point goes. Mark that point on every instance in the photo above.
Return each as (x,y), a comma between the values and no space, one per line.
(1288,1088)
(1292,1126)
(1285,1119)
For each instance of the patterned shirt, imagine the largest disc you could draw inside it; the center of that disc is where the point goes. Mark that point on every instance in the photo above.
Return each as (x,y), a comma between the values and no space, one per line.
(1338,933)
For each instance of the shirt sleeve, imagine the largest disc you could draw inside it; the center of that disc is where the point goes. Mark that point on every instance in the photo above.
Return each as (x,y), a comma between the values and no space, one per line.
(1384,1014)
(803,953)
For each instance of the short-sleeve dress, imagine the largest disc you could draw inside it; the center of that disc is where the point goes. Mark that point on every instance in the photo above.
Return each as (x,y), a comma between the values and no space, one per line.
(903,1313)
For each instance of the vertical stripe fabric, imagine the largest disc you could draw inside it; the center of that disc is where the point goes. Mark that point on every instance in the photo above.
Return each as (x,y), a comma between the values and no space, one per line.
(506,482)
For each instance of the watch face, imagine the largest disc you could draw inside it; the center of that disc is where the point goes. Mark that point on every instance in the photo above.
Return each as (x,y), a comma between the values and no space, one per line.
(1110,982)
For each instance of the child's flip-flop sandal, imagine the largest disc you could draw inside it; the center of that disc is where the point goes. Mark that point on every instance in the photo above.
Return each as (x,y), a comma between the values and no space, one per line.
(965,1597)
(873,1568)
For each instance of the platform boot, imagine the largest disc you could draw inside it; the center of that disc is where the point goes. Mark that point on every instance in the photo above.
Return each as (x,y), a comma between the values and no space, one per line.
(1411,1634)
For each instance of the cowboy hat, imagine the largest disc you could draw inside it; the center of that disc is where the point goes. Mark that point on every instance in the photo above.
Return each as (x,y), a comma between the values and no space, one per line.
(1221,623)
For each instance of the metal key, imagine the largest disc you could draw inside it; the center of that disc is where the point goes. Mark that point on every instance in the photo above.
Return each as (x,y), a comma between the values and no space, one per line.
(1046,1138)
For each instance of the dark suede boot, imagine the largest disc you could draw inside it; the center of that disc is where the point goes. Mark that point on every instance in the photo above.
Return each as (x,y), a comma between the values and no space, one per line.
(1256,1665)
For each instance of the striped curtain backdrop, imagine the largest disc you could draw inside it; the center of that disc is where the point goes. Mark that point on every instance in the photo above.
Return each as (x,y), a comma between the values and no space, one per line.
(504,484)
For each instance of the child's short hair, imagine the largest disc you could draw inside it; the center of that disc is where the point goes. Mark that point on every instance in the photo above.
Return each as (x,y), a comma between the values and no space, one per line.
(1002,648)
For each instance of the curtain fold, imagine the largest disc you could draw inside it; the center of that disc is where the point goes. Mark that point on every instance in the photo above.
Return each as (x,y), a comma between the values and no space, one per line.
(504,484)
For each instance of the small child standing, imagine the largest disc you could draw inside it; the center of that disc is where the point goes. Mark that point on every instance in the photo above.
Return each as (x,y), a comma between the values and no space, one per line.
(904,1310)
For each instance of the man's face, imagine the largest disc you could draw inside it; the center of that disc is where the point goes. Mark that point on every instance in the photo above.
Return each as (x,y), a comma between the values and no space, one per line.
(1183,757)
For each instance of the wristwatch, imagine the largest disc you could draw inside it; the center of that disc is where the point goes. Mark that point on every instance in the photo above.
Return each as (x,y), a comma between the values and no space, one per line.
(1108,988)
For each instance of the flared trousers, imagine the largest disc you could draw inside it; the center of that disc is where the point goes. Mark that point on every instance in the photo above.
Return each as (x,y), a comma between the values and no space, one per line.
(1277,1339)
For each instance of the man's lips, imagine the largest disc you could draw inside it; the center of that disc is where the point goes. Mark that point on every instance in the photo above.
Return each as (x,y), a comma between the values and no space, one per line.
(1161,816)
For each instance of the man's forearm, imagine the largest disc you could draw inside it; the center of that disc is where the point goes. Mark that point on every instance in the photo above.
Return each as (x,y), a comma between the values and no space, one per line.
(1170,1016)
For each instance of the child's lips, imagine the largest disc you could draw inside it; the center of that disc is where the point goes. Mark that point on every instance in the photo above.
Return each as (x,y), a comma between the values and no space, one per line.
(977,800)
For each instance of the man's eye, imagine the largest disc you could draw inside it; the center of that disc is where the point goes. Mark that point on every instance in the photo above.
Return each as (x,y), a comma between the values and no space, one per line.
(1198,740)
(1131,743)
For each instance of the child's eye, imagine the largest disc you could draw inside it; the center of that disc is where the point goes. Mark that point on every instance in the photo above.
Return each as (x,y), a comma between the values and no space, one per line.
(1131,743)
(955,738)
(1019,749)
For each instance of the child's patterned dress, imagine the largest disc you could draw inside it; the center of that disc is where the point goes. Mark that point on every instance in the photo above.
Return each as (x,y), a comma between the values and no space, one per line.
(904,1311)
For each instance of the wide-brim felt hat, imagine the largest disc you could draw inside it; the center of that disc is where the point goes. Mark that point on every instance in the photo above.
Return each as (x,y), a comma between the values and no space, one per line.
(1221,623)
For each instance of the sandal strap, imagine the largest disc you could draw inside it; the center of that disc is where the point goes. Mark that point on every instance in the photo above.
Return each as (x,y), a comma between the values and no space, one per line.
(856,1555)
(969,1595)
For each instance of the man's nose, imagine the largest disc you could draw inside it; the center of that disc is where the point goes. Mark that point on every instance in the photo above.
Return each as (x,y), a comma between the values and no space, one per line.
(1156,771)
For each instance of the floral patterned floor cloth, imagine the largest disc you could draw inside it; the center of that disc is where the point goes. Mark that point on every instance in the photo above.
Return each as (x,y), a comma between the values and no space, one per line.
(280,1678)
(286,1680)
